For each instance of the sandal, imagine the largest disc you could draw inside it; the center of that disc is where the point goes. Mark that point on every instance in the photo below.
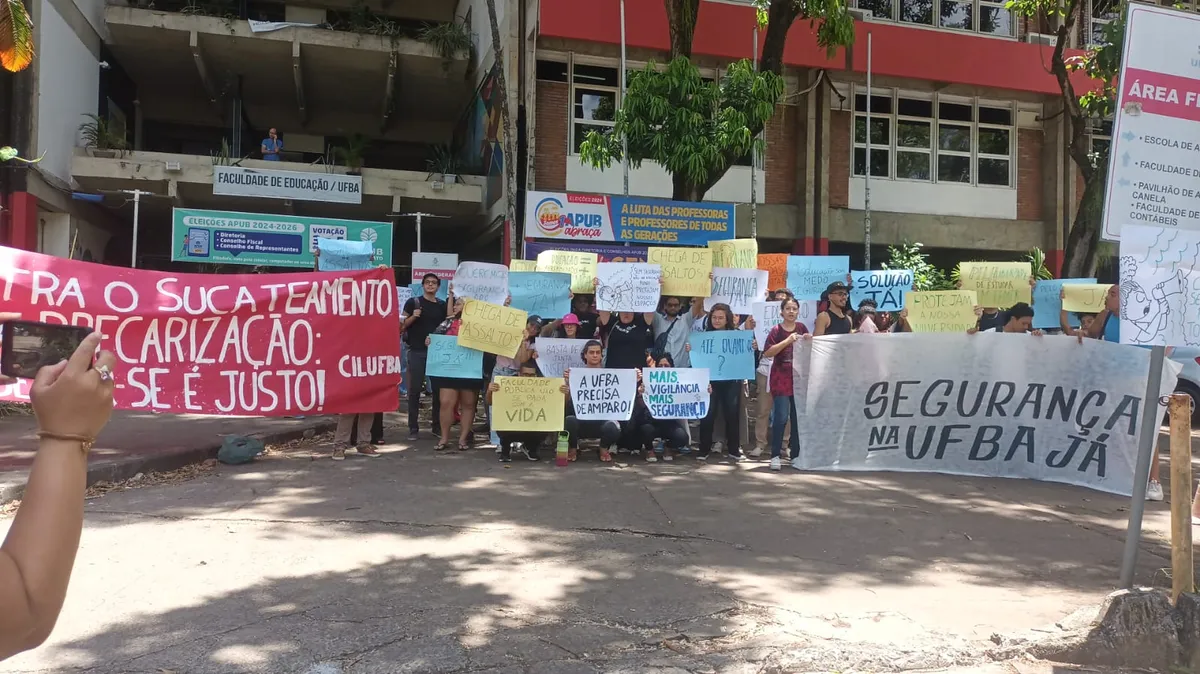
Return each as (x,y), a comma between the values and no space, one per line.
(605,456)
(441,447)
(572,455)
(464,445)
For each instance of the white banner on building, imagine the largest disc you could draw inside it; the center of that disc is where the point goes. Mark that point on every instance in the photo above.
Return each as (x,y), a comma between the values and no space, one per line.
(1160,286)
(237,181)
(1018,406)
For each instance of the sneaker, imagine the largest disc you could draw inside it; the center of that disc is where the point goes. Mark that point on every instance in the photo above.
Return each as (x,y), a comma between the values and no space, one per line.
(368,451)
(667,456)
(506,455)
(756,452)
(718,446)
(413,435)
(702,455)
(776,463)
(797,464)
(339,454)
(622,450)
(651,457)
(1154,491)
(736,457)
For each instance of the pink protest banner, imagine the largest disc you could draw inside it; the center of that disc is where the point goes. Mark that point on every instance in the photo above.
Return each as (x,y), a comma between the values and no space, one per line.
(233,344)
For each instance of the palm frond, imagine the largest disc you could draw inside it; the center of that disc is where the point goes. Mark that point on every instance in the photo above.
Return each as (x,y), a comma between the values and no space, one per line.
(16,36)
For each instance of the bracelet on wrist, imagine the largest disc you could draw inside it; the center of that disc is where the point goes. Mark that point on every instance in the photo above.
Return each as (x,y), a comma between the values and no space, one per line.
(85,443)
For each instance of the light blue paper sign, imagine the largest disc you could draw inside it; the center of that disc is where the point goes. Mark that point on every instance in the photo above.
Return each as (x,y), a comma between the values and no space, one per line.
(886,287)
(809,275)
(727,354)
(545,294)
(1047,303)
(442,294)
(342,255)
(448,359)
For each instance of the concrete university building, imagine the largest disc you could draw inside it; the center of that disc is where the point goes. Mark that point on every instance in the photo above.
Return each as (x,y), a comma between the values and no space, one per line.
(387,108)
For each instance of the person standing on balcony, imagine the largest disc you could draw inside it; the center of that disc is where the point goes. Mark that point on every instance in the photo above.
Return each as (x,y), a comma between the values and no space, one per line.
(272,146)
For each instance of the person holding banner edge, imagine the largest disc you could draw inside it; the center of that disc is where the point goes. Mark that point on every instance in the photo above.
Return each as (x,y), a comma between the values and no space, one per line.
(779,347)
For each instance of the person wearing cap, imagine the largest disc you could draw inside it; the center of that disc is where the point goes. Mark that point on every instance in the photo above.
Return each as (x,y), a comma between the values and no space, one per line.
(567,327)
(835,320)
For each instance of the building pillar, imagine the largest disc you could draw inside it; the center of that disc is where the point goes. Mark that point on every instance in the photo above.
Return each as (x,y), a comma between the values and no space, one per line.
(22,214)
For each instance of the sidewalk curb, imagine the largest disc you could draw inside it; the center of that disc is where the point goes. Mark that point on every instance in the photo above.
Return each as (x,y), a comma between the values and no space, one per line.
(123,469)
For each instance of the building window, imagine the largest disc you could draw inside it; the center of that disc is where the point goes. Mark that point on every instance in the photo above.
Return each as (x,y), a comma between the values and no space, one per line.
(984,16)
(594,94)
(1103,12)
(947,140)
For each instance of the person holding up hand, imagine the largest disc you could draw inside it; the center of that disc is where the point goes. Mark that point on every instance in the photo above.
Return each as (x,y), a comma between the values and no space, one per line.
(72,401)
(780,341)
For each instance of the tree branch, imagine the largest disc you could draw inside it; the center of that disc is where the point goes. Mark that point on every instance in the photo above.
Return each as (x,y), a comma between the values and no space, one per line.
(1078,147)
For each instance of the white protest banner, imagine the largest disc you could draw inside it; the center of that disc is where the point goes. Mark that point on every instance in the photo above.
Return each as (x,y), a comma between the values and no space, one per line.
(237,181)
(628,286)
(675,393)
(1013,406)
(766,316)
(1160,304)
(403,295)
(739,288)
(556,355)
(602,394)
(481,281)
(441,265)
(886,287)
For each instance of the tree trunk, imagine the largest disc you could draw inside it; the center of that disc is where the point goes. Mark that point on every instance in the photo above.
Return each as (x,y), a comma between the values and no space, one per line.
(681,24)
(1083,243)
(509,125)
(682,190)
(780,16)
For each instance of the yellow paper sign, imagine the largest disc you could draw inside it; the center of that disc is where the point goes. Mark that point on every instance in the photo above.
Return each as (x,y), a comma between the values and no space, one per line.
(941,311)
(522,265)
(685,271)
(1087,298)
(735,253)
(528,404)
(581,267)
(492,328)
(998,284)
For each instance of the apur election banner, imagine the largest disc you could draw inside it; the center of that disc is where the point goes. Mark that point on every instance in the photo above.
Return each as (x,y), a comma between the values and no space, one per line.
(993,405)
(230,344)
(563,216)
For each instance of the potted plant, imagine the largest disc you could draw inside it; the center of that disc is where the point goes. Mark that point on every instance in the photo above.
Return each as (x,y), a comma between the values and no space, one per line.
(352,153)
(100,139)
(448,39)
(444,162)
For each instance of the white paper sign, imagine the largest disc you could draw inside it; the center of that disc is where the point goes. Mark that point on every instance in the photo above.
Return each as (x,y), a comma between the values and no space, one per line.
(1013,406)
(1152,180)
(1160,286)
(236,181)
(628,286)
(739,288)
(557,355)
(481,281)
(403,295)
(766,316)
(602,394)
(675,393)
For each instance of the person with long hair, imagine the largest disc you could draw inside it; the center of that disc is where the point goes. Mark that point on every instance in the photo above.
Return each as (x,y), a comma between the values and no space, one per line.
(762,419)
(609,432)
(454,393)
(780,342)
(725,400)
(643,431)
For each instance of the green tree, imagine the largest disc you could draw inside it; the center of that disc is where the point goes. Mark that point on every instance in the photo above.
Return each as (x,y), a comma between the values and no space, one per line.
(925,275)
(1101,63)
(16,36)
(696,129)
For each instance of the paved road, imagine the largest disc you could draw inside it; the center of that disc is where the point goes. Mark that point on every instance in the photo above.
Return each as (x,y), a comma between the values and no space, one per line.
(417,562)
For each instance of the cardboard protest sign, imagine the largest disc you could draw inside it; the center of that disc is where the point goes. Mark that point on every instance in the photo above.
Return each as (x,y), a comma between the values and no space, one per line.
(447,359)
(481,281)
(727,354)
(954,403)
(628,286)
(1048,304)
(522,265)
(528,404)
(685,271)
(776,265)
(557,355)
(997,284)
(580,265)
(545,294)
(735,253)
(1085,297)
(675,393)
(809,275)
(887,287)
(342,255)
(303,343)
(403,295)
(492,328)
(602,394)
(942,310)
(739,288)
